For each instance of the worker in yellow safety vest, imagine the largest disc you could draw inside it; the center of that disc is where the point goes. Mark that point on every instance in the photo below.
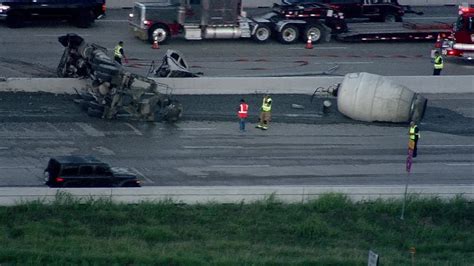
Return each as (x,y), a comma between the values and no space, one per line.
(438,64)
(265,113)
(119,53)
(414,133)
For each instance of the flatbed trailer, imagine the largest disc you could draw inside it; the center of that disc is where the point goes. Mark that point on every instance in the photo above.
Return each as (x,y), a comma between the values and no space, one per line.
(395,31)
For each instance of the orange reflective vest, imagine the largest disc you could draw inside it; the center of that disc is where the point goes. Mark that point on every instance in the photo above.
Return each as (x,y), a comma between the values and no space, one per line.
(243,110)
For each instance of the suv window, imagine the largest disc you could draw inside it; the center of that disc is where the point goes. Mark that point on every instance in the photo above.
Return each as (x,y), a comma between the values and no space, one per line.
(70,170)
(86,170)
(101,170)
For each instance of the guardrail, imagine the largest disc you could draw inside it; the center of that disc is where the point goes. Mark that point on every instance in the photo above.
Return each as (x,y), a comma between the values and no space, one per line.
(247,85)
(230,194)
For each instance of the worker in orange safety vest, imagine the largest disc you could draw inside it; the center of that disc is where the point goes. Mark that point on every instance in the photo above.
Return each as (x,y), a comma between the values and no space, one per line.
(242,114)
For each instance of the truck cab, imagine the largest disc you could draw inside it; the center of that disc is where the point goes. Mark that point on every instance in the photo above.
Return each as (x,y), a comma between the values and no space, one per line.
(461,42)
(197,19)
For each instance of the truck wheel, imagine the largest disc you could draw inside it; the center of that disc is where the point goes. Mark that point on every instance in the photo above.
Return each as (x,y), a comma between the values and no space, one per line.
(289,34)
(262,34)
(84,18)
(316,31)
(160,32)
(16,19)
(389,18)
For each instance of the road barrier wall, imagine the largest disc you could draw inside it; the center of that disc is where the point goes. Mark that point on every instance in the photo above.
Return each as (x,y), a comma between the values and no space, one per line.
(247,85)
(229,194)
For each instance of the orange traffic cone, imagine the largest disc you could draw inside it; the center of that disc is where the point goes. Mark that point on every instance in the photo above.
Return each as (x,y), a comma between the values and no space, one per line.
(309,43)
(155,44)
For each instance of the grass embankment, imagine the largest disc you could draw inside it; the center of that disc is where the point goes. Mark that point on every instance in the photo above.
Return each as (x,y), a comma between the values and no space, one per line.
(328,231)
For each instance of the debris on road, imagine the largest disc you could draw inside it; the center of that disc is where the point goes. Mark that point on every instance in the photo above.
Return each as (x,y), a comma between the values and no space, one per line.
(173,65)
(114,92)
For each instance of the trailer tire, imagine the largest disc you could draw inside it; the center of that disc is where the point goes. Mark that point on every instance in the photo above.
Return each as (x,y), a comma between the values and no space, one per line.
(316,30)
(262,33)
(160,32)
(289,34)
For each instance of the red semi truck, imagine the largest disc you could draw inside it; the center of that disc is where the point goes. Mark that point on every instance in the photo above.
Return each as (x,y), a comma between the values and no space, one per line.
(460,43)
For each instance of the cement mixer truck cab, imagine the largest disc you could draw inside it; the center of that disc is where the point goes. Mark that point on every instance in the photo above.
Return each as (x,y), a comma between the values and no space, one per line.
(217,19)
(460,44)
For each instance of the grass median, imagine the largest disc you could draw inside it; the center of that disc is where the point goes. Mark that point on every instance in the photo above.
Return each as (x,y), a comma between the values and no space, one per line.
(329,231)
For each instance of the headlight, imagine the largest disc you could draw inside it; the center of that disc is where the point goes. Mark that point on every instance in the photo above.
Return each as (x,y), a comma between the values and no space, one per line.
(130,15)
(4,8)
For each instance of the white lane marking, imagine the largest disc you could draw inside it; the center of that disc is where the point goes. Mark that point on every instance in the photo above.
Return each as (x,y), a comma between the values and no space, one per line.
(4,148)
(89,130)
(459,164)
(320,48)
(104,150)
(134,129)
(112,20)
(213,147)
(344,63)
(18,167)
(197,128)
(430,18)
(148,180)
(54,35)
(448,145)
(240,166)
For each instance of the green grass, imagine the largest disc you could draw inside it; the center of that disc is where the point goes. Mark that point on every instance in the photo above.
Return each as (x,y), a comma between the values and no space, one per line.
(329,231)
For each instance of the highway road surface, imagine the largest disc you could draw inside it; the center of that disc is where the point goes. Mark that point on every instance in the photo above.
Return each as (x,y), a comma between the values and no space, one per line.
(302,147)
(34,51)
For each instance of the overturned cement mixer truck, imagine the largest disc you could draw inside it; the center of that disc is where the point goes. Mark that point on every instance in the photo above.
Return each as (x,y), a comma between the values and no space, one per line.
(114,92)
(373,98)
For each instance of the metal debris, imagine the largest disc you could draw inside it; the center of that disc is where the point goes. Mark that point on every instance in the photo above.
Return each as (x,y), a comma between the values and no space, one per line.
(114,92)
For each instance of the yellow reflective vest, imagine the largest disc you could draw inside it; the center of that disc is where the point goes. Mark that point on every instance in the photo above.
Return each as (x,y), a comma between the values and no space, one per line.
(117,52)
(438,62)
(267,104)
(413,133)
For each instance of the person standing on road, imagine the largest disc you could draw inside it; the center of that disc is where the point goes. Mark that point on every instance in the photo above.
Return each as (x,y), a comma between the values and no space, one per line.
(438,64)
(242,114)
(414,133)
(265,113)
(119,53)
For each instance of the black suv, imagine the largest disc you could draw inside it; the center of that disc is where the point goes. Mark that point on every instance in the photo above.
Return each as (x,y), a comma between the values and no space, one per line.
(81,12)
(375,10)
(86,171)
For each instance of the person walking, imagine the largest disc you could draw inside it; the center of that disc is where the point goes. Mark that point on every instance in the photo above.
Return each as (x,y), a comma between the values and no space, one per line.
(119,53)
(242,114)
(414,133)
(265,113)
(438,64)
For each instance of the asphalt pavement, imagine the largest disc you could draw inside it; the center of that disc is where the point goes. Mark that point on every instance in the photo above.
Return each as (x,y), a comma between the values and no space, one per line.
(34,51)
(302,146)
